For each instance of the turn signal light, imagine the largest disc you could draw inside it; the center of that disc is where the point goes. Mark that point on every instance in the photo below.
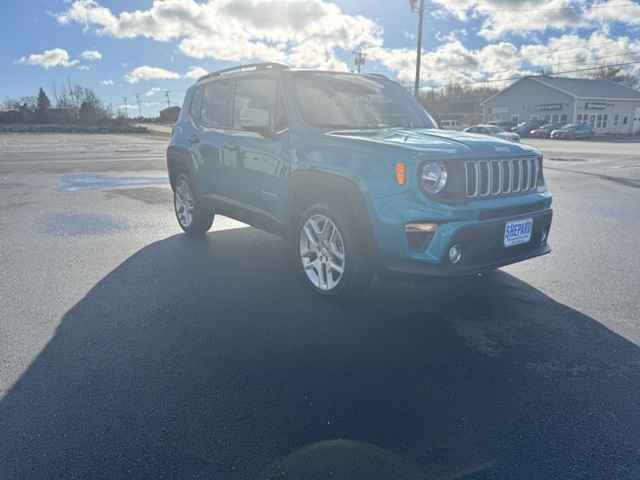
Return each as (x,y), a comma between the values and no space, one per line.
(421,227)
(419,235)
(401,173)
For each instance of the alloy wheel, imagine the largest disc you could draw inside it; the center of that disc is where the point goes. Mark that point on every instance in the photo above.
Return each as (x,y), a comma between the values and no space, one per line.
(322,252)
(184,204)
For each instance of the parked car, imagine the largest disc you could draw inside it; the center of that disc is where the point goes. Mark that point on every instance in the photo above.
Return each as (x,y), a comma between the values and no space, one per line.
(494,132)
(524,129)
(450,125)
(352,172)
(504,124)
(545,130)
(573,131)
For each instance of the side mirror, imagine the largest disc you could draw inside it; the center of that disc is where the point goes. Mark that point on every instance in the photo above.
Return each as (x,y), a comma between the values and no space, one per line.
(256,120)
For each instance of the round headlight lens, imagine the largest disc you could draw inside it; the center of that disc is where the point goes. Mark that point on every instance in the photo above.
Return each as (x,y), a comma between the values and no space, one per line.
(433,177)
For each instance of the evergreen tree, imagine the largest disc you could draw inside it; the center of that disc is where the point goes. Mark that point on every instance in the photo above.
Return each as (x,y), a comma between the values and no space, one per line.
(43,101)
(43,105)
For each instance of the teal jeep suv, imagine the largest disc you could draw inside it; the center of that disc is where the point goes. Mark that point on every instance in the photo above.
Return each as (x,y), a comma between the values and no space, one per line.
(355,175)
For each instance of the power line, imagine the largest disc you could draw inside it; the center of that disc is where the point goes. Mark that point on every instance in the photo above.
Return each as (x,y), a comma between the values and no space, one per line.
(563,50)
(629,54)
(518,77)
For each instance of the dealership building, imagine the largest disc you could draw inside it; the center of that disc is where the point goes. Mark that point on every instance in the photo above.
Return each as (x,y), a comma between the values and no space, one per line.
(607,106)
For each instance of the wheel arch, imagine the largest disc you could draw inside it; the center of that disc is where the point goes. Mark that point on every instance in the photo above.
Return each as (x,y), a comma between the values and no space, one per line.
(308,187)
(178,162)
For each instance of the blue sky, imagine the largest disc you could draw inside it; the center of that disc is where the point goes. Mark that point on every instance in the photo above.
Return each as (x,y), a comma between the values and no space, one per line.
(123,48)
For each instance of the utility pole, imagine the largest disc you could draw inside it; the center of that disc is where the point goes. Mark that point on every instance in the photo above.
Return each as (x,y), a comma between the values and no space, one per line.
(139,105)
(359,60)
(418,6)
(126,106)
(168,95)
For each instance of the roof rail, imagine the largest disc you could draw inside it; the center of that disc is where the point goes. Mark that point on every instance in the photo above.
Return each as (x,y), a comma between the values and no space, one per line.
(249,67)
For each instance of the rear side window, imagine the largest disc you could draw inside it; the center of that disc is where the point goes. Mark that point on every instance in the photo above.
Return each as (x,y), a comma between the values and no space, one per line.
(196,104)
(255,102)
(216,104)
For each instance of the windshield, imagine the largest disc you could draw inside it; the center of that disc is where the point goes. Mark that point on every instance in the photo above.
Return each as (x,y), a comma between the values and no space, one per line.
(493,129)
(348,101)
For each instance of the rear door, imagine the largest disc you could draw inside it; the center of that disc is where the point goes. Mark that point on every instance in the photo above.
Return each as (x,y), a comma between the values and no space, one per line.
(214,123)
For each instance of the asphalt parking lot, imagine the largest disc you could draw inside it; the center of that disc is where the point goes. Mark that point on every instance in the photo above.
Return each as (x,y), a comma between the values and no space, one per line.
(130,351)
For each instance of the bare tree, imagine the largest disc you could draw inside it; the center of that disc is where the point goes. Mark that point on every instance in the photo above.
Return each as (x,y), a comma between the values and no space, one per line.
(616,74)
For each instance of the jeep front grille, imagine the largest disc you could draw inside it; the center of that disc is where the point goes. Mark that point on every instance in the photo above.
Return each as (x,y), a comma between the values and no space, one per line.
(487,178)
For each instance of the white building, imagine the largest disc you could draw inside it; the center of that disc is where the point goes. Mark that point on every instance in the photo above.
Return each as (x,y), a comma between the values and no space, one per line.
(607,106)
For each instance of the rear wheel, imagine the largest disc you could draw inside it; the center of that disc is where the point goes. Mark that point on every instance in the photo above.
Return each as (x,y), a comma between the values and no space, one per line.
(331,258)
(192,217)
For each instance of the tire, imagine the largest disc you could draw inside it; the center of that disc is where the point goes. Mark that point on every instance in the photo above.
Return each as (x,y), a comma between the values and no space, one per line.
(326,241)
(192,217)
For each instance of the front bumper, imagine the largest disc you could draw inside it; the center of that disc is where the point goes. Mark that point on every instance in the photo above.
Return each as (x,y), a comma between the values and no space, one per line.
(483,249)
(478,228)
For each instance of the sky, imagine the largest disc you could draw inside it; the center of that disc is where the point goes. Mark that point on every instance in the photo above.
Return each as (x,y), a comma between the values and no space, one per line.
(145,48)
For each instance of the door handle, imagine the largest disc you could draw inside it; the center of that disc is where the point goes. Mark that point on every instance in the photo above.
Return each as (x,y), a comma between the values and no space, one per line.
(193,139)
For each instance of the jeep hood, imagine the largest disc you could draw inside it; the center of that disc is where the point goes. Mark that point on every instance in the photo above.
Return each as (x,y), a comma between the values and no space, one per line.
(441,143)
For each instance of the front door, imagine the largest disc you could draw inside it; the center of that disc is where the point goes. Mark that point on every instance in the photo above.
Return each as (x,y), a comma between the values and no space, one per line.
(259,143)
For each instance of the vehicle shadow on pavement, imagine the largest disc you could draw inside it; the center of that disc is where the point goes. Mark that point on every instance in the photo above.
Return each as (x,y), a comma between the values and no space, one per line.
(210,359)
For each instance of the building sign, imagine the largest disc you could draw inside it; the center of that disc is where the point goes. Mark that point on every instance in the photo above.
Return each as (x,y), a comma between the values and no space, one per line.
(546,107)
(595,106)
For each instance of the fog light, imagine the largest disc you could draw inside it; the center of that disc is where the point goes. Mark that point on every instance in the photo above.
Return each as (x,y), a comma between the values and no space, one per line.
(455,254)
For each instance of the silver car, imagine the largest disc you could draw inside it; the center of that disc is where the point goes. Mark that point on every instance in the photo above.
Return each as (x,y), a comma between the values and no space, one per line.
(494,131)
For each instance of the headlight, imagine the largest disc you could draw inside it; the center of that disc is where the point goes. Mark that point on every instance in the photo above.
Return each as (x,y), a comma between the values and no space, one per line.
(433,177)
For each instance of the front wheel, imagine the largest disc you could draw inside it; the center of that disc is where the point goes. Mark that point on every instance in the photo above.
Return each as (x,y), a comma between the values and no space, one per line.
(331,258)
(192,217)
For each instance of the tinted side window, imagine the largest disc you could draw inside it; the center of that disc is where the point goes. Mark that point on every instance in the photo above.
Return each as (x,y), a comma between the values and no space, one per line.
(255,102)
(281,121)
(196,104)
(216,104)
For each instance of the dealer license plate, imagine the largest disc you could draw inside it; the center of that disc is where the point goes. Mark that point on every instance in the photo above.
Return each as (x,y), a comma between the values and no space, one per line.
(518,232)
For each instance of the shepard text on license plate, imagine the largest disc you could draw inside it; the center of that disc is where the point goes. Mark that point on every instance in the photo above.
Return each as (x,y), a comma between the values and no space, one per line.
(518,232)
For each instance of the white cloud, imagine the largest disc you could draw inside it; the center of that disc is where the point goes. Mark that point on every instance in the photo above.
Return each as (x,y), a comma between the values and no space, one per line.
(91,55)
(56,57)
(195,73)
(84,68)
(150,73)
(520,17)
(453,62)
(107,83)
(304,32)
(571,52)
(624,11)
